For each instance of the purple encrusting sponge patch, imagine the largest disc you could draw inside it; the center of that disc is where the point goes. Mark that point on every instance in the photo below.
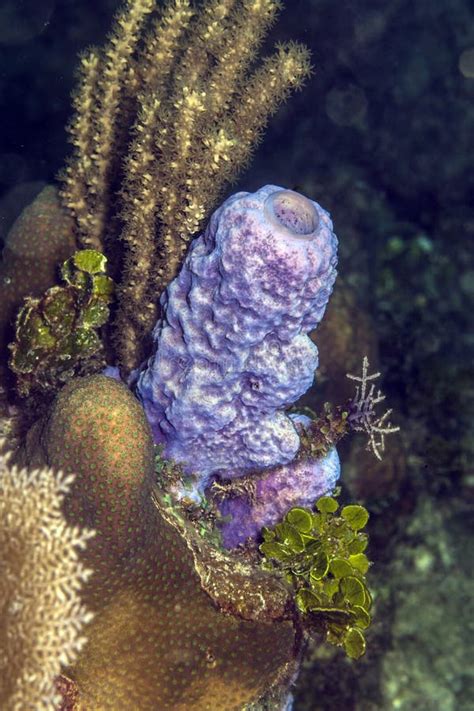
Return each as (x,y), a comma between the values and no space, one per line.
(231,351)
(299,483)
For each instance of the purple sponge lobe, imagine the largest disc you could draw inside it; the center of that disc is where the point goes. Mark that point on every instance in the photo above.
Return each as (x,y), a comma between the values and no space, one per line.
(299,483)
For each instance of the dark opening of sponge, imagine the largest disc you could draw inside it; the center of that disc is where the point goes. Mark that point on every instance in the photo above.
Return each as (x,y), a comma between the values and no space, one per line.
(293,211)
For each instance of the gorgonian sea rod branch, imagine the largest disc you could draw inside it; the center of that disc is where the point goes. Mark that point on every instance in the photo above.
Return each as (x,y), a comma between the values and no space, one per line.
(231,351)
(166,114)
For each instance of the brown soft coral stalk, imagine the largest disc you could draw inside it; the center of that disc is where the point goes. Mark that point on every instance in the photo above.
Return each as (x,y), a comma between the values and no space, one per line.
(167,113)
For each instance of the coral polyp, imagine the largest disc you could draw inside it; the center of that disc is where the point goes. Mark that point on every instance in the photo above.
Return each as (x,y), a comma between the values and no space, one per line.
(159,638)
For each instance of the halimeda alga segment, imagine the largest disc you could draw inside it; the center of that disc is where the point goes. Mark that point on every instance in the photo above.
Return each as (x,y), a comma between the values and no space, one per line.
(231,352)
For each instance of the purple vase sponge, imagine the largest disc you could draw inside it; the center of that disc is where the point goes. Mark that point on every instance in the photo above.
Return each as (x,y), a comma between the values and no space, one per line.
(231,350)
(299,483)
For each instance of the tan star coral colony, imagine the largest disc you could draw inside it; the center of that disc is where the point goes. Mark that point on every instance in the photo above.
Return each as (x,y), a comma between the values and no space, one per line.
(166,114)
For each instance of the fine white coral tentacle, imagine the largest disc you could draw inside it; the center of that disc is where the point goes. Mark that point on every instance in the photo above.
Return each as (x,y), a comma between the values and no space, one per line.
(40,581)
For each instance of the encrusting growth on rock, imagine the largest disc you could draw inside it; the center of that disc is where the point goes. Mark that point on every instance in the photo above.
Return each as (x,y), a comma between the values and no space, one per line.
(166,113)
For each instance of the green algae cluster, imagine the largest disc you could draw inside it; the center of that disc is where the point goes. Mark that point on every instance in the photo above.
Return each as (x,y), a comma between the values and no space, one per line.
(321,553)
(41,238)
(325,430)
(56,335)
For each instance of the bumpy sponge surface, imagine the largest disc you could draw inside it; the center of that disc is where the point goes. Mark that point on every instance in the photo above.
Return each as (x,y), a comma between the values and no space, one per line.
(231,351)
(298,483)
